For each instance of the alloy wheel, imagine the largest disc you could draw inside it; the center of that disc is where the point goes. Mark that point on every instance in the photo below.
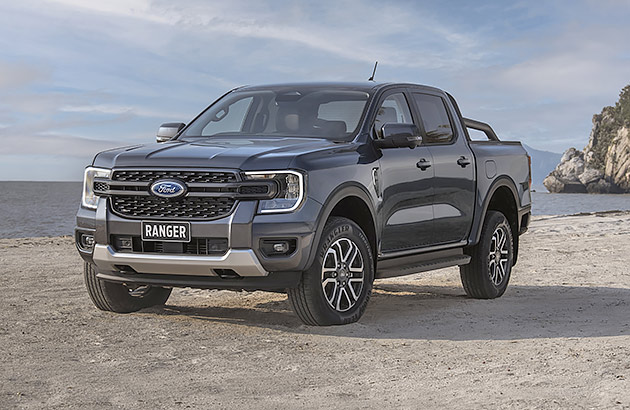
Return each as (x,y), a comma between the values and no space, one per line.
(498,256)
(342,274)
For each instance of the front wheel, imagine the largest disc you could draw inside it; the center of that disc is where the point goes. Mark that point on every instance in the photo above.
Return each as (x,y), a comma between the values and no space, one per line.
(120,298)
(488,273)
(336,288)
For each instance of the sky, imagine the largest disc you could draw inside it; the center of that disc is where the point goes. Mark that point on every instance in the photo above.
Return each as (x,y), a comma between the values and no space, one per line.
(80,76)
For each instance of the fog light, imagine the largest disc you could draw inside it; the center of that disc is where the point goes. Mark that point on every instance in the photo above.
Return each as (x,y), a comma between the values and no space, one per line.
(281,247)
(278,247)
(87,241)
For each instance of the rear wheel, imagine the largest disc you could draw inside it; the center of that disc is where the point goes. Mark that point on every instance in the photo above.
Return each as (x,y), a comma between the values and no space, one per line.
(488,273)
(336,288)
(120,298)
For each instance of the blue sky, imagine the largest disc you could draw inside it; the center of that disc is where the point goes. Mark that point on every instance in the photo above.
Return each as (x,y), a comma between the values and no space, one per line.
(78,76)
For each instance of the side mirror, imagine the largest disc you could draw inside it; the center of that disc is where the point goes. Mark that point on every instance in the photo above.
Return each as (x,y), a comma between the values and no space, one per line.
(396,135)
(169,130)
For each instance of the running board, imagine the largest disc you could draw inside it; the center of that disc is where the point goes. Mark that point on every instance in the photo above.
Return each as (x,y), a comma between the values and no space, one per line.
(420,263)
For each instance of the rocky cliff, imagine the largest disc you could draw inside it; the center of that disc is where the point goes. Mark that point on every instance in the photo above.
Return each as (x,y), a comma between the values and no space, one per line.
(603,166)
(543,162)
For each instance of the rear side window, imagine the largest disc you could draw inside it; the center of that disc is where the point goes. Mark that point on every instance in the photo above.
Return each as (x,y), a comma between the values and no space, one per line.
(434,118)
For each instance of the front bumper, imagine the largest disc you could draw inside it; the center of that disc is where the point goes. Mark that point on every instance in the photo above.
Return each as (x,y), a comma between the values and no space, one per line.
(275,281)
(244,230)
(243,261)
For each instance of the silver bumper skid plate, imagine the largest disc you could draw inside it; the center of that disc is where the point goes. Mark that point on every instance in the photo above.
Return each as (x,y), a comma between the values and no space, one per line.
(242,261)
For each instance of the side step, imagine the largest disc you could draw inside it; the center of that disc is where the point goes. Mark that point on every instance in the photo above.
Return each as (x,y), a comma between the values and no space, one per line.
(409,265)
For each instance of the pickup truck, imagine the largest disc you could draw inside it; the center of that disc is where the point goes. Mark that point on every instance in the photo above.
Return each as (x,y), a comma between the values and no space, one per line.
(313,189)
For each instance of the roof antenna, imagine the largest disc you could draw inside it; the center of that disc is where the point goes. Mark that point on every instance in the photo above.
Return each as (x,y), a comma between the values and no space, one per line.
(373,72)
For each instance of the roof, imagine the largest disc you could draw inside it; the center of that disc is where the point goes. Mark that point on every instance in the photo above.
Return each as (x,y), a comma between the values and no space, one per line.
(366,86)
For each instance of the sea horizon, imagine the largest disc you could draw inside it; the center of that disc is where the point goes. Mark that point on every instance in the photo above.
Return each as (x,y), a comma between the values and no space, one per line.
(26,214)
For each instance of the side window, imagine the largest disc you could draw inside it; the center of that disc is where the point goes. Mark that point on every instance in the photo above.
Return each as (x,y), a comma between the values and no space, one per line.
(228,119)
(393,109)
(434,118)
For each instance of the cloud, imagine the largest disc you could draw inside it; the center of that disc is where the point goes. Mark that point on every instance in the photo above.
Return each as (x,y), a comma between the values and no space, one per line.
(114,109)
(128,8)
(376,30)
(16,75)
(42,167)
(582,63)
(80,72)
(50,144)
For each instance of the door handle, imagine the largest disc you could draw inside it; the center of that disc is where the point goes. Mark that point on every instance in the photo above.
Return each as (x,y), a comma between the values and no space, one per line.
(423,164)
(463,161)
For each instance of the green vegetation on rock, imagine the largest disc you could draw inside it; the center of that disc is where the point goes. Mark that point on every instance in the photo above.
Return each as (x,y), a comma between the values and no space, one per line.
(605,127)
(622,108)
(604,164)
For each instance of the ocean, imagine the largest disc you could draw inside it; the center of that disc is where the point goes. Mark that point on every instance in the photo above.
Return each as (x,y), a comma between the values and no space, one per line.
(30,209)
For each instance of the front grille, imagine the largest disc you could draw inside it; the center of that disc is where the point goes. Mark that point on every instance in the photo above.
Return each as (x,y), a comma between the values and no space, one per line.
(253,189)
(213,177)
(101,186)
(212,194)
(188,208)
(196,246)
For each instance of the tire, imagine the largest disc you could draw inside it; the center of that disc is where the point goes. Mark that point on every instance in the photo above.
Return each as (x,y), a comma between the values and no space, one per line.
(333,291)
(488,273)
(115,297)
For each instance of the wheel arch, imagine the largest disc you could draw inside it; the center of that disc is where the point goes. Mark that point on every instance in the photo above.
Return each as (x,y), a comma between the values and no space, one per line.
(502,196)
(351,201)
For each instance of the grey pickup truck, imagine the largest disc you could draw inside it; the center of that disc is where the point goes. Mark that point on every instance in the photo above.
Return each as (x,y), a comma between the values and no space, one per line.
(313,189)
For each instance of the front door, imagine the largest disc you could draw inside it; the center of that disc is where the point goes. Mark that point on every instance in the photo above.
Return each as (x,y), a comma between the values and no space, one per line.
(406,180)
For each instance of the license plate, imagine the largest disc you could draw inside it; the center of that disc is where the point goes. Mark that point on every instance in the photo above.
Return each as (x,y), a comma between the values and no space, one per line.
(166,231)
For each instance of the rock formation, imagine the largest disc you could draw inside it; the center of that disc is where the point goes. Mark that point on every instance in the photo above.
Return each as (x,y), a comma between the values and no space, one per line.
(603,166)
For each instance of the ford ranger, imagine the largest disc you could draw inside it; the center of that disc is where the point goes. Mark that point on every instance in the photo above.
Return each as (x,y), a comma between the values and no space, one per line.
(313,189)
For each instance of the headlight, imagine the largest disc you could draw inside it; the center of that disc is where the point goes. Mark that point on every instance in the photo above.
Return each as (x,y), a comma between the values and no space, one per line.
(89,199)
(290,190)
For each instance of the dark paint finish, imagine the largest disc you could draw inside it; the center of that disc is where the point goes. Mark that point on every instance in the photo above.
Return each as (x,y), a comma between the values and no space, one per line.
(454,198)
(512,172)
(427,198)
(406,211)
(243,153)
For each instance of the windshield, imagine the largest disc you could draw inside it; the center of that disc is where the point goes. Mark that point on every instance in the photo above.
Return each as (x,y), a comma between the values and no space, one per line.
(322,113)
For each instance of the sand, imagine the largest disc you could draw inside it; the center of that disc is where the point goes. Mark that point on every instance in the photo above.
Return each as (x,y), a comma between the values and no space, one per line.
(558,338)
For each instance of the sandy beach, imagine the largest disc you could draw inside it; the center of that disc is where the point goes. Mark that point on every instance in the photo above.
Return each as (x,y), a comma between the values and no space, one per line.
(558,338)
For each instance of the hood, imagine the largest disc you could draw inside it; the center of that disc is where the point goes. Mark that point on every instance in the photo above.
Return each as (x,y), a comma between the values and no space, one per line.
(249,154)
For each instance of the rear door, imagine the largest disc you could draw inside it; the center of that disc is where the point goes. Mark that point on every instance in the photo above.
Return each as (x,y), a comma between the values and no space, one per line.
(454,181)
(406,181)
